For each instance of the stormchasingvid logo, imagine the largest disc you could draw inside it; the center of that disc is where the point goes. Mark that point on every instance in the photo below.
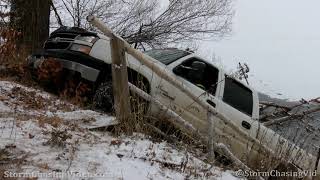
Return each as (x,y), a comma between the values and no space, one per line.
(275,173)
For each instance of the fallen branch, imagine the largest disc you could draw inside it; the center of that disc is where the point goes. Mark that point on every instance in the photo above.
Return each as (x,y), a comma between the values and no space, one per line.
(286,108)
(265,116)
(286,118)
(282,119)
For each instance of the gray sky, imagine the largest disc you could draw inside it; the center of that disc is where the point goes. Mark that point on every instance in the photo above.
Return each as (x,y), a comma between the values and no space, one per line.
(280,41)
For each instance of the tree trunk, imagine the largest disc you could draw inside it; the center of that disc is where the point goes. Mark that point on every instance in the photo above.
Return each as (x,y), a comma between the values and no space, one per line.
(31,18)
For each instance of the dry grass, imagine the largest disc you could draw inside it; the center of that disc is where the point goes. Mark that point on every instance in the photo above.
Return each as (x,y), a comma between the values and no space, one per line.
(55,122)
(13,63)
(11,158)
(30,100)
(58,137)
(14,67)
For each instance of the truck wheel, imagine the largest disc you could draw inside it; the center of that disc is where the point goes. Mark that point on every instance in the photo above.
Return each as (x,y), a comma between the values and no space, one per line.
(103,97)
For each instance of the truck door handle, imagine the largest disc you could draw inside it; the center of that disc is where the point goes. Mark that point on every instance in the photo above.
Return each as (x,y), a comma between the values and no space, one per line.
(166,94)
(211,103)
(246,125)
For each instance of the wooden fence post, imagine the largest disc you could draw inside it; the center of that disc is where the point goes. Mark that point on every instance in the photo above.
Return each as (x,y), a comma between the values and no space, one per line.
(211,136)
(120,80)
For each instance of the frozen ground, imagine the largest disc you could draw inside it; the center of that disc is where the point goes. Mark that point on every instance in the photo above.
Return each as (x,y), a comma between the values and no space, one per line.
(43,136)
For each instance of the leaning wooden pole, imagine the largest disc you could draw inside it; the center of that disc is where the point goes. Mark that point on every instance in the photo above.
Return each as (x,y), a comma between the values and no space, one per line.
(119,71)
(120,80)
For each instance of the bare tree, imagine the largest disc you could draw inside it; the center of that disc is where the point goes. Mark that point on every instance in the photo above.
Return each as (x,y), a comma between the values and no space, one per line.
(31,18)
(74,12)
(155,23)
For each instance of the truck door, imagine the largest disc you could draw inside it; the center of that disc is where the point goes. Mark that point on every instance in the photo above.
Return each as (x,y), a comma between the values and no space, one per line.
(237,104)
(199,77)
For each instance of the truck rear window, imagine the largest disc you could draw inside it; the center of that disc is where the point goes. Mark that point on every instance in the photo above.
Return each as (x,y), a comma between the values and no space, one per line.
(166,56)
(238,96)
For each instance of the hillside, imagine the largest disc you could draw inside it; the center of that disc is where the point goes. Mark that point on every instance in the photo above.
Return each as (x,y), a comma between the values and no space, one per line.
(41,133)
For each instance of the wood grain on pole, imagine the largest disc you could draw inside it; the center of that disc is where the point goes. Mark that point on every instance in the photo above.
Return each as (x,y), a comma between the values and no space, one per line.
(120,80)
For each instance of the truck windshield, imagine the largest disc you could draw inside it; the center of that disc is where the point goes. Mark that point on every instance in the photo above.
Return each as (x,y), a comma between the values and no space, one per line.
(166,56)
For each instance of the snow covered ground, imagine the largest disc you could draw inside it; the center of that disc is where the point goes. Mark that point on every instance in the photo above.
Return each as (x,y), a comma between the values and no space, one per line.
(43,136)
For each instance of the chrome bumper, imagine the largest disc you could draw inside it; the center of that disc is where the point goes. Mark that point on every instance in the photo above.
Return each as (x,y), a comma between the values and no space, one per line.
(86,72)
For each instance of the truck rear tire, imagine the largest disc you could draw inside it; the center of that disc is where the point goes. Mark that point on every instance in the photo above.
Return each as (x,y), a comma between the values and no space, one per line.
(103,97)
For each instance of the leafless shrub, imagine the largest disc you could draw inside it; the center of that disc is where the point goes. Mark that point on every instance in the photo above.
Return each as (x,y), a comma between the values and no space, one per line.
(4,156)
(13,54)
(139,118)
(11,157)
(53,121)
(12,61)
(58,137)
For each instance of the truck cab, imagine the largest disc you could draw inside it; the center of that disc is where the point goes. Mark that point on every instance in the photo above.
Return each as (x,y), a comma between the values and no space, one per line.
(230,97)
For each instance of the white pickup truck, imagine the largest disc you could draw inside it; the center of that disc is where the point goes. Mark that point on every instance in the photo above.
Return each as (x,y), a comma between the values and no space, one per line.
(88,54)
